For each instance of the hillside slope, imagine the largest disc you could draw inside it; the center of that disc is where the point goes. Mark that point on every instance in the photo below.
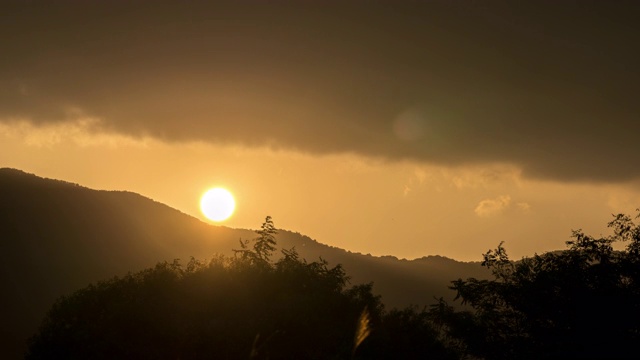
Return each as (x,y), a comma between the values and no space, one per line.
(56,237)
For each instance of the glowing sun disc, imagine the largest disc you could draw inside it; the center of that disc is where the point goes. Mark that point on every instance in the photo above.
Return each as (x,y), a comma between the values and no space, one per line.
(217,204)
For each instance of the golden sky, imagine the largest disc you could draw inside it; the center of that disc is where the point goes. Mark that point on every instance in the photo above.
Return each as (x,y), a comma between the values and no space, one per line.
(400,128)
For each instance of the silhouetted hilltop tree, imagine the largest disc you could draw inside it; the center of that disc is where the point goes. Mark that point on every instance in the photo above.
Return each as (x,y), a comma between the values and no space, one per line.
(583,302)
(230,308)
(263,246)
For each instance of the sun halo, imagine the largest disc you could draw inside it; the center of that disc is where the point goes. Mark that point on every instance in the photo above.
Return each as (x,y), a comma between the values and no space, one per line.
(217,204)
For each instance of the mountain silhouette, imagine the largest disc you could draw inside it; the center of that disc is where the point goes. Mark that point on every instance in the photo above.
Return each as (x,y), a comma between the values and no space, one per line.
(57,237)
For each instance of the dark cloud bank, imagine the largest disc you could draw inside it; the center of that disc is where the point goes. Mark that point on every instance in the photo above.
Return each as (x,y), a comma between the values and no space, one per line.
(551,86)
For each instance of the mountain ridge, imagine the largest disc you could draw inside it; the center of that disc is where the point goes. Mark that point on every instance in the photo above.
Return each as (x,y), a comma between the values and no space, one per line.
(62,236)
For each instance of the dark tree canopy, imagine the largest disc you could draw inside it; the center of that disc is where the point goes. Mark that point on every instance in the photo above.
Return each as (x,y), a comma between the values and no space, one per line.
(228,308)
(583,302)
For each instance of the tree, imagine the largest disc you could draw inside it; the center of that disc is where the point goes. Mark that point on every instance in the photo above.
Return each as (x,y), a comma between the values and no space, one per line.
(263,246)
(227,308)
(577,303)
(238,307)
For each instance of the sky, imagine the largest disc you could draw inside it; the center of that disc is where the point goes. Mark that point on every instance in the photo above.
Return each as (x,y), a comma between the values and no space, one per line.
(404,128)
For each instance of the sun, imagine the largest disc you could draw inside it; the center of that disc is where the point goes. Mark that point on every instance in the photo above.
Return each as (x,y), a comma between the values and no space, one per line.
(217,204)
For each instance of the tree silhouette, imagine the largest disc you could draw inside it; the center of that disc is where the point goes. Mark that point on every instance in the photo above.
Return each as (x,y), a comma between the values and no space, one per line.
(228,307)
(234,308)
(263,246)
(582,302)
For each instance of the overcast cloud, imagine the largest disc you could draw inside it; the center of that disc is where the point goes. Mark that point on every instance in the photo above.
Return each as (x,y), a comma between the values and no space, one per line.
(551,86)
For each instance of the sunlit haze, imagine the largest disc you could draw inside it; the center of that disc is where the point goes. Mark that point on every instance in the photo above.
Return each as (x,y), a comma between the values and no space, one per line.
(405,129)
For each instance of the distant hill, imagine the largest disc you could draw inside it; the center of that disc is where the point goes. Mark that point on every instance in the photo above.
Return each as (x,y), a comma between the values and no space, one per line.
(57,237)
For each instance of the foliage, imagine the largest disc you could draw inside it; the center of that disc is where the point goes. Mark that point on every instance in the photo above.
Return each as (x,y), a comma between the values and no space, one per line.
(408,333)
(263,246)
(582,302)
(228,308)
(577,303)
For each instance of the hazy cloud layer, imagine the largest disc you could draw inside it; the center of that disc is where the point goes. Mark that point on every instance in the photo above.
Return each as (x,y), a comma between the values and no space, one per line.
(548,86)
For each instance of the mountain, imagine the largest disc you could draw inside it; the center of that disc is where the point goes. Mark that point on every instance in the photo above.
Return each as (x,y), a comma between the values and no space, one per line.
(57,237)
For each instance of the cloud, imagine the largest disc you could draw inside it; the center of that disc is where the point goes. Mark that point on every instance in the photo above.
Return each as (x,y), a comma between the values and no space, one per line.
(523,206)
(416,179)
(420,175)
(474,177)
(557,101)
(492,207)
(83,133)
